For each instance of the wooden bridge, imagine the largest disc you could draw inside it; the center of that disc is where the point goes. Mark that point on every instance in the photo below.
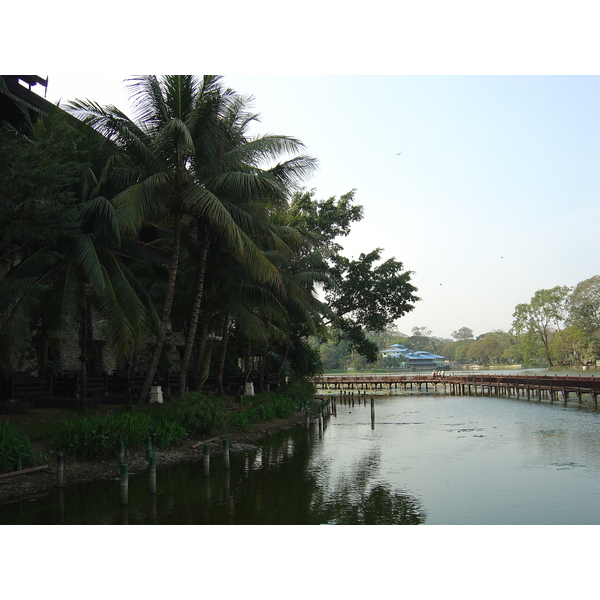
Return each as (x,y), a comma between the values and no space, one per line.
(551,387)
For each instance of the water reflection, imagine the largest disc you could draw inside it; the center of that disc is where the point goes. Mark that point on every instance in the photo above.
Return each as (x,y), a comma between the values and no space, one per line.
(274,485)
(445,460)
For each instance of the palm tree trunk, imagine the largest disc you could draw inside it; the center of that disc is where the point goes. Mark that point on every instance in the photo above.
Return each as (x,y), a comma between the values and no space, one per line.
(170,293)
(191,334)
(263,367)
(202,338)
(280,370)
(83,348)
(222,354)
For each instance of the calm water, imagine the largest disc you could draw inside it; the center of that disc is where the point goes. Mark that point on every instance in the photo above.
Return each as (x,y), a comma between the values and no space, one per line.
(424,460)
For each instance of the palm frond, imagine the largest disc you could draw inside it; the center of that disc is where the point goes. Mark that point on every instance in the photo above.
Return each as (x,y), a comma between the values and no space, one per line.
(141,201)
(86,258)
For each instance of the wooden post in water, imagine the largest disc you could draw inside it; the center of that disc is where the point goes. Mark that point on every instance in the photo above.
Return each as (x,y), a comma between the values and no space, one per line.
(121,453)
(124,488)
(226,464)
(372,413)
(149,449)
(320,420)
(60,470)
(206,461)
(307,420)
(152,475)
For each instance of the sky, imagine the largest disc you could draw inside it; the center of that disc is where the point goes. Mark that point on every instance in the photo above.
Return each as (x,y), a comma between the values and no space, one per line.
(484,187)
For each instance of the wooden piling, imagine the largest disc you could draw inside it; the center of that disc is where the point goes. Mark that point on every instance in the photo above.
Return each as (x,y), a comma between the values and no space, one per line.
(206,460)
(121,451)
(149,449)
(226,464)
(152,475)
(60,470)
(372,413)
(124,487)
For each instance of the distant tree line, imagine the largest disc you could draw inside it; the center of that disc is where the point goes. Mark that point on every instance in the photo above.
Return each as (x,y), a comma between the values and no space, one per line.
(557,327)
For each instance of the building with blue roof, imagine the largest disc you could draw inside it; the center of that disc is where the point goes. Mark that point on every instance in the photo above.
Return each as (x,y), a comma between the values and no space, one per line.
(414,359)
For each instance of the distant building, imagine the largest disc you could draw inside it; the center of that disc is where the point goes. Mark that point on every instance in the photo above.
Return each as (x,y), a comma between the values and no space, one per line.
(414,359)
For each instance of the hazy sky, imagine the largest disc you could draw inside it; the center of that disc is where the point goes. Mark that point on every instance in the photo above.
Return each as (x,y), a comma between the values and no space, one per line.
(494,194)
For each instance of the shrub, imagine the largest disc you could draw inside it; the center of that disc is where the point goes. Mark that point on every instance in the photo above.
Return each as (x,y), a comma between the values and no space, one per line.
(99,437)
(271,405)
(198,413)
(299,391)
(14,445)
(239,419)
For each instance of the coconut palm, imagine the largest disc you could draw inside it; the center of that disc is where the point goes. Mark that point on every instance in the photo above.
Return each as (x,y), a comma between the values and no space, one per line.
(238,172)
(157,145)
(187,156)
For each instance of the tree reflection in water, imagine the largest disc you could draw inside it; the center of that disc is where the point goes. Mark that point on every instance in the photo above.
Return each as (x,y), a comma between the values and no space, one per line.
(278,484)
(286,487)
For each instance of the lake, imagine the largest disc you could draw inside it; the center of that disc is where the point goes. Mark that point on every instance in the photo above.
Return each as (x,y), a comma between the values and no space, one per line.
(432,460)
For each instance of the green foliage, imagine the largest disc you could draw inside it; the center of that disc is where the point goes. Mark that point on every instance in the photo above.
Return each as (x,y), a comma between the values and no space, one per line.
(545,311)
(202,414)
(369,293)
(240,420)
(305,361)
(185,173)
(583,305)
(98,437)
(299,390)
(197,413)
(272,405)
(14,445)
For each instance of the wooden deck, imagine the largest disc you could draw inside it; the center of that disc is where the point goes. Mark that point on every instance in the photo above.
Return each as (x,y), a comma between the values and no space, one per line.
(551,387)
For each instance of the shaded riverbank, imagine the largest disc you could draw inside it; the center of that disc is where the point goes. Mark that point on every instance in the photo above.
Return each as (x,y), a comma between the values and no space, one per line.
(77,471)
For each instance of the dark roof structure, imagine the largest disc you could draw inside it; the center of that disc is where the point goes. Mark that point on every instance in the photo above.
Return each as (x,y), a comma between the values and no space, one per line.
(16,98)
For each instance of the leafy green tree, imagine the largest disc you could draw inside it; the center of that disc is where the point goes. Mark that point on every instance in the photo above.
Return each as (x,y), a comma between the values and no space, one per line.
(63,270)
(156,146)
(365,295)
(464,333)
(542,316)
(583,305)
(573,345)
(37,188)
(421,332)
(333,354)
(489,348)
(456,351)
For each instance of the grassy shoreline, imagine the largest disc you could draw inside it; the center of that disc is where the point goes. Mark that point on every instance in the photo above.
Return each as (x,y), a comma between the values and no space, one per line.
(91,437)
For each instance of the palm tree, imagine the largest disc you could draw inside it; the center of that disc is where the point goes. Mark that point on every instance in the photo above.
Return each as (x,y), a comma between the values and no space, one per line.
(235,169)
(158,145)
(188,156)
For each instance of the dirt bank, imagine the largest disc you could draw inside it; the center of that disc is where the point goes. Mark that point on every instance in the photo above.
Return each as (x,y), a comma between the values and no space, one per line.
(31,484)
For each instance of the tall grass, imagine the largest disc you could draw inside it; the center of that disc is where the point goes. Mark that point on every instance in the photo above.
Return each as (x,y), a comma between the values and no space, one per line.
(197,413)
(14,446)
(98,437)
(194,414)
